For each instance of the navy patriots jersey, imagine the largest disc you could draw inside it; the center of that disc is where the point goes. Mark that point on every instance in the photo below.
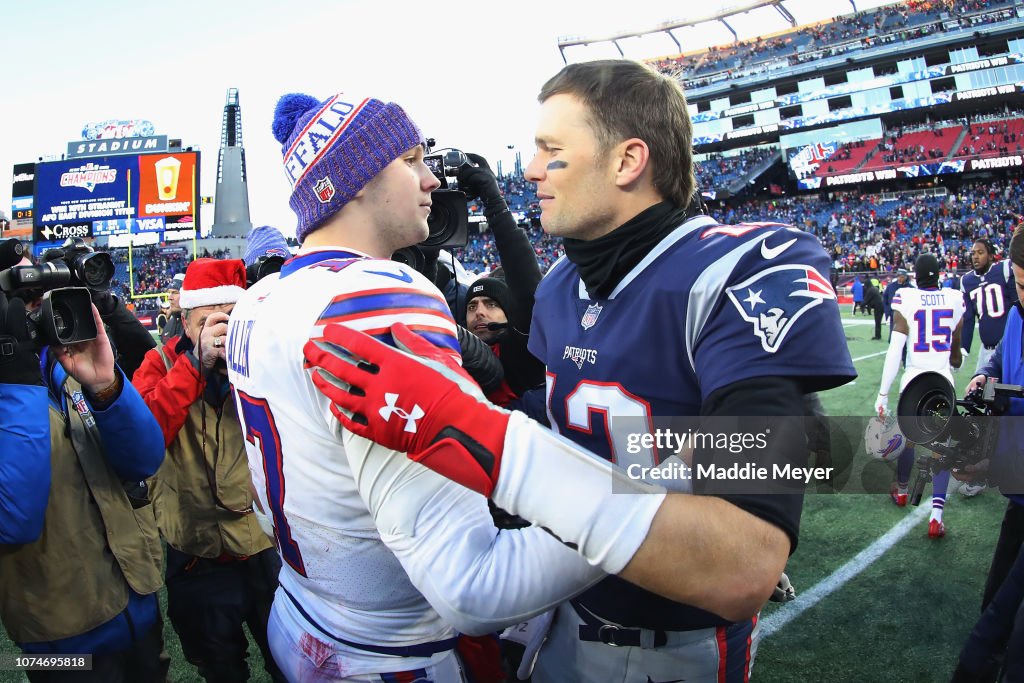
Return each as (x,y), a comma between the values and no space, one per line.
(709,306)
(988,298)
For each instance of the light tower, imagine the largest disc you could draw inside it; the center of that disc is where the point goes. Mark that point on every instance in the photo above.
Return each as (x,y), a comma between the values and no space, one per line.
(231,202)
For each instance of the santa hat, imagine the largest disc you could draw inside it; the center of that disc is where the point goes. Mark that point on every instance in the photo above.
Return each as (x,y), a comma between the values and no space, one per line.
(209,282)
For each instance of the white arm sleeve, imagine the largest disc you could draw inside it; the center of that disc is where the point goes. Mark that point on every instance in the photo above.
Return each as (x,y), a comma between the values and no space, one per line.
(582,498)
(479,579)
(892,361)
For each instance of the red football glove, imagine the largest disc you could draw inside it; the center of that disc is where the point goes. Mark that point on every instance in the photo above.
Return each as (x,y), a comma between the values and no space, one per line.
(420,402)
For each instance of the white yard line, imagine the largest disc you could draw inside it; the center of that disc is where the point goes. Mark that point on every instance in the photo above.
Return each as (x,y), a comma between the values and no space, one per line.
(805,600)
(871,355)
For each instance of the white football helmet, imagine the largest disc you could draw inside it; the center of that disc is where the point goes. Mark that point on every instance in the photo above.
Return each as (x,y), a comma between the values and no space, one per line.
(883,439)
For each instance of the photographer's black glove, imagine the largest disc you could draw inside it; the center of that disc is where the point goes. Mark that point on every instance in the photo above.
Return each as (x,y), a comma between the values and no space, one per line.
(19,363)
(479,181)
(482,364)
(106,303)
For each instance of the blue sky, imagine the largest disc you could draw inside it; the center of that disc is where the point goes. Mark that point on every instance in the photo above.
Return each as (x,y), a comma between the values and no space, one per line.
(467,72)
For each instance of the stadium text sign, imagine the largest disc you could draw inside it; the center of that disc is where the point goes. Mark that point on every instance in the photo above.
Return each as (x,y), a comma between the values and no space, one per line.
(105,147)
(997,162)
(979,64)
(985,92)
(862,177)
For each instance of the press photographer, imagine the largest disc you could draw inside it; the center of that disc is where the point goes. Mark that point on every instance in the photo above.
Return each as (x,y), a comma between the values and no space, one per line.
(997,639)
(69,527)
(499,307)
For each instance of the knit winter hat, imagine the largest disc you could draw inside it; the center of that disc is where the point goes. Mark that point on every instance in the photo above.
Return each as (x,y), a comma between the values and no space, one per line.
(332,149)
(176,281)
(492,287)
(265,240)
(210,281)
(926,269)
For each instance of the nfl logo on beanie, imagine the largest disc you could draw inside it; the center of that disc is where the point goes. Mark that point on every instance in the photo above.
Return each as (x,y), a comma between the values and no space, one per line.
(332,149)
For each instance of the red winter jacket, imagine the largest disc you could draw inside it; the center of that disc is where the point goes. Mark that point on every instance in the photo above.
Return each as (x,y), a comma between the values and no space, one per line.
(169,393)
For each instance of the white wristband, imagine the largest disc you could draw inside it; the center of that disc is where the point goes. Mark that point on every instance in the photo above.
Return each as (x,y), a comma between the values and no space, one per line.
(578,496)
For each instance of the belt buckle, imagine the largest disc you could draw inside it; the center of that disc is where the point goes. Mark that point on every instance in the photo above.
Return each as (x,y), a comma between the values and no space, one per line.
(610,639)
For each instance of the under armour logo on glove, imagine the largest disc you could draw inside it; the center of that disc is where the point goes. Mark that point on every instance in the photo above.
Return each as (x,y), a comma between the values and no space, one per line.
(391,409)
(451,428)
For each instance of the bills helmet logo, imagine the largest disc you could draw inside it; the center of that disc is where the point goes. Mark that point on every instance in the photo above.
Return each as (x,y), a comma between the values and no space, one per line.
(776,297)
(590,316)
(324,189)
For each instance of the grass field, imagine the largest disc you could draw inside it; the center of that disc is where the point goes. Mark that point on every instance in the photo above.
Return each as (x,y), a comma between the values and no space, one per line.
(903,617)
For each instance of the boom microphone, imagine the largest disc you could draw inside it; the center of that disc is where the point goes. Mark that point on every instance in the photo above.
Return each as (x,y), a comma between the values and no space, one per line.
(11,253)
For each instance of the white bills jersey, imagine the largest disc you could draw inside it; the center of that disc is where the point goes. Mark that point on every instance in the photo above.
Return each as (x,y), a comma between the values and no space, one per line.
(932,316)
(376,549)
(334,563)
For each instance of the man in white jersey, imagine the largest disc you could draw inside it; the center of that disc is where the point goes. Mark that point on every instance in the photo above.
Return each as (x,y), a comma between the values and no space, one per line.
(930,318)
(384,561)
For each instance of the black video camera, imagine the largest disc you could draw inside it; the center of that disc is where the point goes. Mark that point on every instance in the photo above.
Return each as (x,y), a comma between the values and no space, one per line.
(956,431)
(448,222)
(262,267)
(64,281)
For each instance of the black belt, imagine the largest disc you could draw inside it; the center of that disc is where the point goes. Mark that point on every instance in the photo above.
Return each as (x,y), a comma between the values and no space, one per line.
(420,650)
(596,630)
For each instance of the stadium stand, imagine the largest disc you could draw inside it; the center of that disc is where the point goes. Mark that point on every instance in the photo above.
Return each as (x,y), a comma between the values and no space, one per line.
(906,146)
(889,24)
(992,138)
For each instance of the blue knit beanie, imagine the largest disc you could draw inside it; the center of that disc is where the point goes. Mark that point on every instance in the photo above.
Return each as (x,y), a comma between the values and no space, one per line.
(265,240)
(332,149)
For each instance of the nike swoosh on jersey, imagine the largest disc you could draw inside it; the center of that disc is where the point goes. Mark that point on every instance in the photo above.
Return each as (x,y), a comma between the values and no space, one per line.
(401,277)
(771,252)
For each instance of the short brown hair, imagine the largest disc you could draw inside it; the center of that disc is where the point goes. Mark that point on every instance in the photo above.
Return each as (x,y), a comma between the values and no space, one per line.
(628,99)
(1017,246)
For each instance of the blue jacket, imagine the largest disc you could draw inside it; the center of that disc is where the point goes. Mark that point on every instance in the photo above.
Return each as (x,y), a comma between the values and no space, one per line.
(24,462)
(1007,363)
(858,291)
(135,449)
(890,293)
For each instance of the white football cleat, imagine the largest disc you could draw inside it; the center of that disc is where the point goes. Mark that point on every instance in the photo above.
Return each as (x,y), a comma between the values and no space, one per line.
(970,489)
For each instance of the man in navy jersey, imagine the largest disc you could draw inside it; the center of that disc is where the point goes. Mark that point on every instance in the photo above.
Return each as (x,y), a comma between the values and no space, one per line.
(740,312)
(988,294)
(655,310)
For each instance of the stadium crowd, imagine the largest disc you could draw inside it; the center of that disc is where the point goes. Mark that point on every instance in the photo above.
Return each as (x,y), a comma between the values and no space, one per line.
(861,232)
(894,23)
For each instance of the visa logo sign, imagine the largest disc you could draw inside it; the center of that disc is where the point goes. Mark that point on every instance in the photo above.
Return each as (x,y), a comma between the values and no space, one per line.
(148,224)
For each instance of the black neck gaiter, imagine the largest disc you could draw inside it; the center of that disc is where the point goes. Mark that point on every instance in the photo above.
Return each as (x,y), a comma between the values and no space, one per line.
(603,262)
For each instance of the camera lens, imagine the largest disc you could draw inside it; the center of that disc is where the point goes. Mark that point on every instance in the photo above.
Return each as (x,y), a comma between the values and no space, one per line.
(410,256)
(96,270)
(63,321)
(439,224)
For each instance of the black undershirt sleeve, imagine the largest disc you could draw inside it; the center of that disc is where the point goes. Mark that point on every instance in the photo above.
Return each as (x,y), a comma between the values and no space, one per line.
(759,402)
